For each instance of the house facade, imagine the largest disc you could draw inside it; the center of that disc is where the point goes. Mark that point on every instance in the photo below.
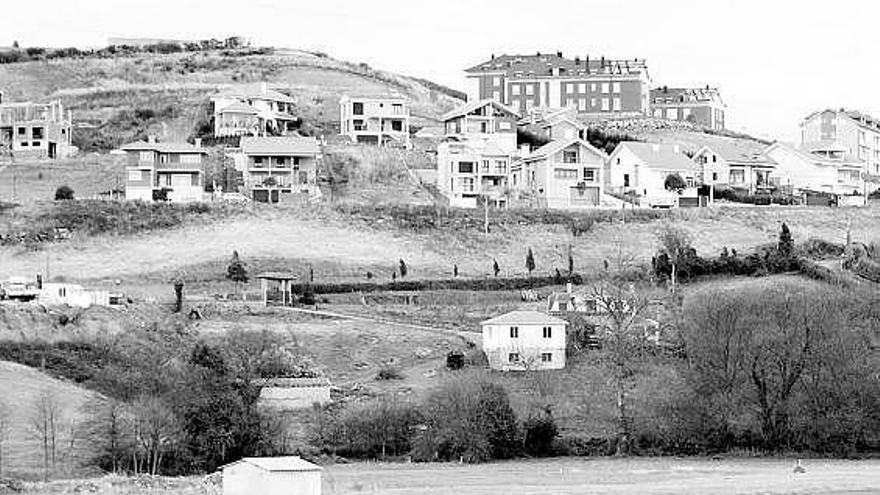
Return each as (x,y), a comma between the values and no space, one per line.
(524,341)
(820,171)
(640,170)
(164,171)
(271,476)
(290,394)
(253,111)
(35,131)
(596,87)
(738,165)
(563,174)
(701,106)
(279,169)
(475,157)
(854,133)
(375,120)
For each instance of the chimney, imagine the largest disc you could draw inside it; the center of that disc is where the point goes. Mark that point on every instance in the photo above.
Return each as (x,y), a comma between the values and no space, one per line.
(577,60)
(559,54)
(198,142)
(587,63)
(151,139)
(493,57)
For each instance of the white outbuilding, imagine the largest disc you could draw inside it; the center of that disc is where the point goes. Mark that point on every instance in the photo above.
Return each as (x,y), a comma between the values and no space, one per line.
(289,475)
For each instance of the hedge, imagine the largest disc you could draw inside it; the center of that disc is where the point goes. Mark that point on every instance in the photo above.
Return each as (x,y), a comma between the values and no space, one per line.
(488,284)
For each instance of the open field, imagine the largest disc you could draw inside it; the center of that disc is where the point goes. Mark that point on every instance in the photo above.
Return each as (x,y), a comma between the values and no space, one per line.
(28,183)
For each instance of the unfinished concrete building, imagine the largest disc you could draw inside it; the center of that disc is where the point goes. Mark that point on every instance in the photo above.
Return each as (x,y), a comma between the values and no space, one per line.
(34,131)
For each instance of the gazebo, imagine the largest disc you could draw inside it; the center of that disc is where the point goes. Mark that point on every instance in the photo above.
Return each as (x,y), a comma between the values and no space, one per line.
(276,287)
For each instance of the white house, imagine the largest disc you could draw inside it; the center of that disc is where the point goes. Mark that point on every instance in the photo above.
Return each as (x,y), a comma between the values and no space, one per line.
(381,120)
(830,171)
(739,164)
(563,174)
(524,341)
(271,476)
(73,295)
(253,111)
(289,394)
(641,169)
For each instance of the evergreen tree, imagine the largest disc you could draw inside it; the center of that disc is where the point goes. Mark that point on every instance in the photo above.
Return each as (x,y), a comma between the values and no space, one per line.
(455,271)
(530,262)
(236,270)
(495,267)
(403,268)
(786,243)
(570,264)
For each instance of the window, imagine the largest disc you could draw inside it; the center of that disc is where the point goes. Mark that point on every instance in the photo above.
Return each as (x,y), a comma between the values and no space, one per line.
(513,357)
(714,176)
(616,87)
(569,87)
(570,156)
(515,89)
(22,131)
(134,175)
(714,158)
(146,156)
(548,332)
(397,125)
(496,80)
(35,144)
(546,357)
(168,180)
(582,104)
(589,175)
(672,113)
(190,159)
(593,87)
(496,95)
(737,176)
(685,113)
(37,133)
(592,103)
(466,167)
(605,87)
(24,144)
(279,161)
(530,89)
(625,180)
(514,332)
(357,108)
(582,88)
(606,105)
(617,104)
(565,173)
(258,161)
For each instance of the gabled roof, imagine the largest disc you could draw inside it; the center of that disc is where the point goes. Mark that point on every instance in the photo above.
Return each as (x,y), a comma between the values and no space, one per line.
(558,145)
(688,95)
(239,107)
(470,107)
(657,155)
(277,464)
(280,145)
(848,161)
(524,318)
(739,151)
(179,148)
(257,92)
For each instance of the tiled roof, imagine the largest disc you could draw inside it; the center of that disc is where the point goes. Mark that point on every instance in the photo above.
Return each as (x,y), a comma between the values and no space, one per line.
(278,464)
(860,118)
(282,145)
(542,64)
(524,318)
(555,146)
(470,107)
(239,107)
(162,147)
(740,151)
(806,155)
(689,94)
(662,156)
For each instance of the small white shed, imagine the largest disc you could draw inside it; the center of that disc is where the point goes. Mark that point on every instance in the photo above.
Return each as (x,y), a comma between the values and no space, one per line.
(289,475)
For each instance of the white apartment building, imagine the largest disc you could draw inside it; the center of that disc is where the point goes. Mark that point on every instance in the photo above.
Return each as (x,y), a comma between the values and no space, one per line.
(850,132)
(524,341)
(376,120)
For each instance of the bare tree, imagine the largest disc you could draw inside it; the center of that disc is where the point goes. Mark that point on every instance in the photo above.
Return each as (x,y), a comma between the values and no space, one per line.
(675,243)
(108,432)
(45,423)
(157,432)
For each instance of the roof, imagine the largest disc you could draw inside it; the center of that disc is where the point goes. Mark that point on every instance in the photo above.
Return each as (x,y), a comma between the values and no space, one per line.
(278,464)
(283,145)
(860,118)
(292,382)
(740,151)
(239,107)
(806,155)
(543,64)
(162,147)
(257,91)
(558,145)
(470,107)
(657,155)
(524,318)
(278,276)
(688,94)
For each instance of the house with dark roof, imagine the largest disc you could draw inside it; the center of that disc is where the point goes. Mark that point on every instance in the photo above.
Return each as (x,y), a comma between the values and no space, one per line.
(640,170)
(564,174)
(279,169)
(594,86)
(701,106)
(524,341)
(379,120)
(164,171)
(738,164)
(253,110)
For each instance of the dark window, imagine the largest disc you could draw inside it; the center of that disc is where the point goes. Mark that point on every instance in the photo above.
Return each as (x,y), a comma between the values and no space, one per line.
(396,125)
(22,131)
(625,180)
(37,133)
(357,108)
(714,158)
(514,332)
(466,167)
(569,157)
(548,332)
(546,357)
(513,357)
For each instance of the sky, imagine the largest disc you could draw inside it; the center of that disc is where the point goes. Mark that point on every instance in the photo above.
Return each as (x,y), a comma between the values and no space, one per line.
(775,61)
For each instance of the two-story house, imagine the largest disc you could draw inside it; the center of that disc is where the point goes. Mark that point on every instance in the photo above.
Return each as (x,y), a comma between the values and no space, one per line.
(474,159)
(253,111)
(700,106)
(595,87)
(524,341)
(737,164)
(640,170)
(828,171)
(35,131)
(164,171)
(279,169)
(376,120)
(565,173)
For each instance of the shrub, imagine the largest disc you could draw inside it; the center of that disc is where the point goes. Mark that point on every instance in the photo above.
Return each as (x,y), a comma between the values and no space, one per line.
(540,432)
(820,248)
(455,360)
(365,431)
(64,193)
(389,372)
(674,182)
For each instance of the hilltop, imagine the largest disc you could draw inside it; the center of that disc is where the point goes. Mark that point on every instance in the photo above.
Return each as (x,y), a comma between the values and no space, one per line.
(127,97)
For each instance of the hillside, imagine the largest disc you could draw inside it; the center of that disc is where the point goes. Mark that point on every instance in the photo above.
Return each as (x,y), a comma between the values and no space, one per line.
(124,98)
(22,391)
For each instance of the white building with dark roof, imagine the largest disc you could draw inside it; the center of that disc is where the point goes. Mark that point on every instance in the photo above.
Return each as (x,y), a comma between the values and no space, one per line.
(826,171)
(271,476)
(524,341)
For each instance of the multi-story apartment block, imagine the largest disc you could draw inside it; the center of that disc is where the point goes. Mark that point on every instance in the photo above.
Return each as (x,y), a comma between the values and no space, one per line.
(35,131)
(253,111)
(279,169)
(164,171)
(475,156)
(596,87)
(843,131)
(377,120)
(566,173)
(701,106)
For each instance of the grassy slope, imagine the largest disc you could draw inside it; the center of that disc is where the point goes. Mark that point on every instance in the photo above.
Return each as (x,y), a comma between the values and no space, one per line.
(21,388)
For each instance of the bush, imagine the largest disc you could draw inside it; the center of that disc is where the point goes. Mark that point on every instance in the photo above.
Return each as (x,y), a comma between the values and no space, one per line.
(493,284)
(455,360)
(737,196)
(820,248)
(64,193)
(389,372)
(366,431)
(540,433)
